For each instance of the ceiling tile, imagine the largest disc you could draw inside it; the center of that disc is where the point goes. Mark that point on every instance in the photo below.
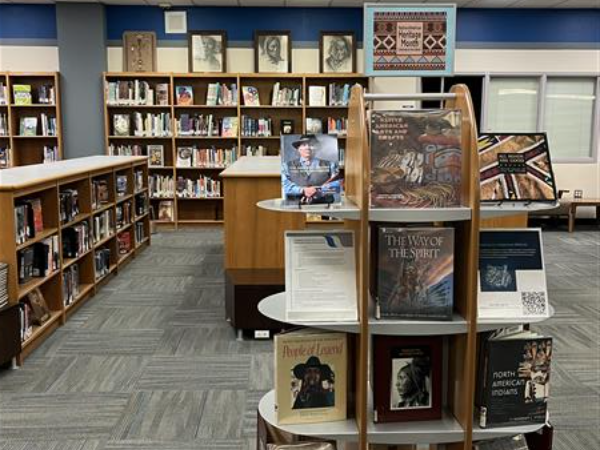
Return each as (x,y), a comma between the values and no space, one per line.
(347,3)
(488,3)
(262,2)
(215,2)
(123,2)
(34,2)
(535,3)
(307,3)
(172,2)
(457,2)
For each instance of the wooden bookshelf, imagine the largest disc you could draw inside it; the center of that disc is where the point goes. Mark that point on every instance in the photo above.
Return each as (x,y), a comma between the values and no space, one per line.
(210,212)
(45,182)
(27,150)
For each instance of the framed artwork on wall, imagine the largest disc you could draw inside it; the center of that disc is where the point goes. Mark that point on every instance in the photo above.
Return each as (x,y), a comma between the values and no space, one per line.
(207,51)
(272,51)
(139,51)
(412,41)
(337,52)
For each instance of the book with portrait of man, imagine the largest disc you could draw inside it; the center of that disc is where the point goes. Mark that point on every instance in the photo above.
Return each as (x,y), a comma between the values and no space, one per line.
(311,376)
(407,378)
(310,170)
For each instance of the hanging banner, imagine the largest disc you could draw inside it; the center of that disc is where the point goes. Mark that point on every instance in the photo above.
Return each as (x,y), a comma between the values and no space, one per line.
(409,40)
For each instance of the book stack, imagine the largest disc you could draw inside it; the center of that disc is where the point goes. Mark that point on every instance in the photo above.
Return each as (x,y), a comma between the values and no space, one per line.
(3,284)
(124,243)
(68,205)
(22,94)
(285,96)
(205,157)
(203,187)
(38,260)
(46,94)
(261,127)
(100,193)
(123,214)
(70,284)
(125,150)
(3,125)
(29,220)
(102,262)
(254,150)
(219,94)
(136,92)
(50,154)
(338,127)
(103,226)
(76,240)
(161,186)
(141,204)
(138,178)
(5,157)
(122,184)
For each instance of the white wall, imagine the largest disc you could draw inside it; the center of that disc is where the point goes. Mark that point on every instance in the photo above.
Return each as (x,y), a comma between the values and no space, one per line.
(23,59)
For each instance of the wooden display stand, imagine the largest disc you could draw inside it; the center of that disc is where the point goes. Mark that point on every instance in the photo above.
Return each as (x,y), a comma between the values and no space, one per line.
(26,150)
(455,431)
(210,211)
(45,182)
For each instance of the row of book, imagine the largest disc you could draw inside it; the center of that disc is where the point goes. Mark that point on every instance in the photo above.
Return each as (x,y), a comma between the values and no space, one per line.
(24,94)
(126,150)
(142,125)
(28,126)
(261,127)
(103,225)
(140,232)
(102,264)
(123,213)
(71,284)
(206,125)
(254,150)
(100,193)
(339,95)
(219,94)
(38,260)
(161,186)
(205,157)
(136,93)
(124,243)
(5,157)
(76,240)
(286,96)
(139,180)
(141,204)
(68,205)
(122,185)
(29,220)
(3,94)
(3,284)
(4,125)
(203,187)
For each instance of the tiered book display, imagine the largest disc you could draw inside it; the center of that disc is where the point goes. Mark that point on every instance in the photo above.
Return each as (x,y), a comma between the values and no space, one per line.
(193,126)
(445,344)
(66,236)
(30,119)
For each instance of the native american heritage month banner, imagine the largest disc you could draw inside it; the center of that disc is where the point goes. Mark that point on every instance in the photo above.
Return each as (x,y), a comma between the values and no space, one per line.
(409,41)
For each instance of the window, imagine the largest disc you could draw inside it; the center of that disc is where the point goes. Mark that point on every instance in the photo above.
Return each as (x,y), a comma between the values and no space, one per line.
(513,104)
(569,116)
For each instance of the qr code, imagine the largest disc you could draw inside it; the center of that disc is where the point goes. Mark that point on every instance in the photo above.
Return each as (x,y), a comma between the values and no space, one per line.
(534,303)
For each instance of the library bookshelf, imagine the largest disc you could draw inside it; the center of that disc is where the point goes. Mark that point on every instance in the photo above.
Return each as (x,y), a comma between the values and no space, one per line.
(455,430)
(25,149)
(46,182)
(186,211)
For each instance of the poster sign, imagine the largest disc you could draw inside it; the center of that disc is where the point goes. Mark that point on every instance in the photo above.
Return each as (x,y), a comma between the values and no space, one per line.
(409,40)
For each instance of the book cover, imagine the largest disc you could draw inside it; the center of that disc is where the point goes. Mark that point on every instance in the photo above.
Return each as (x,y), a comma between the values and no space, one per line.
(156,155)
(515,167)
(121,124)
(165,210)
(310,172)
(184,156)
(314,126)
(28,126)
(22,94)
(311,377)
(515,380)
(230,127)
(512,277)
(251,97)
(287,126)
(162,94)
(185,95)
(415,159)
(317,96)
(415,273)
(407,378)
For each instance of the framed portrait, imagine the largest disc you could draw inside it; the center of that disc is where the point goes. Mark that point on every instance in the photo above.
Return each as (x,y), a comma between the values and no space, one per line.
(272,52)
(411,41)
(337,52)
(207,51)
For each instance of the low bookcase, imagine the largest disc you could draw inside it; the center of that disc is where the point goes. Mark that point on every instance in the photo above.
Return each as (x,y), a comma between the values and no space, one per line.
(45,184)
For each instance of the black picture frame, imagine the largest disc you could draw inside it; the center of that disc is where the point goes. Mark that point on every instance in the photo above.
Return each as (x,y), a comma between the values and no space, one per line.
(205,67)
(345,38)
(276,63)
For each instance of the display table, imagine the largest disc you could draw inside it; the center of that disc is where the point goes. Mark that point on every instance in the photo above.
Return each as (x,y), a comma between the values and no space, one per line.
(254,245)
(577,202)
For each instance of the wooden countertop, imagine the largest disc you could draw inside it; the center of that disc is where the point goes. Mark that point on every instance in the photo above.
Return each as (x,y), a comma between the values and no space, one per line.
(26,176)
(254,166)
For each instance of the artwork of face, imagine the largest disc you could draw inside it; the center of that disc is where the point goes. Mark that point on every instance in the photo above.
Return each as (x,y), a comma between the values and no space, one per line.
(338,55)
(411,384)
(273,54)
(207,53)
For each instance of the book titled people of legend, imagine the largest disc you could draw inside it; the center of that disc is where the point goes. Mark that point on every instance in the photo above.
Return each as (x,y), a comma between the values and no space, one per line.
(416,159)
(512,278)
(310,170)
(514,384)
(311,377)
(320,273)
(415,273)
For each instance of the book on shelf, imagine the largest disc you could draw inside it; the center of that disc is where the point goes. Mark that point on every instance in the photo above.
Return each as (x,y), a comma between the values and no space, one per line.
(3,284)
(100,193)
(125,150)
(203,187)
(141,204)
(257,127)
(251,96)
(103,225)
(286,126)
(156,155)
(22,94)
(46,94)
(28,126)
(414,273)
(184,156)
(29,220)
(151,125)
(184,95)
(310,173)
(40,313)
(337,126)
(407,378)
(123,214)
(162,94)
(415,159)
(161,186)
(121,125)
(285,96)
(140,232)
(339,95)
(3,94)
(138,180)
(320,283)
(219,94)
(517,442)
(136,93)
(317,96)
(68,205)
(122,184)
(512,276)
(205,157)
(254,150)
(229,127)
(38,260)
(4,125)
(48,125)
(102,262)
(124,242)
(514,378)
(71,282)
(5,157)
(311,376)
(76,240)
(25,320)
(206,125)
(314,125)
(50,154)
(166,211)
(515,167)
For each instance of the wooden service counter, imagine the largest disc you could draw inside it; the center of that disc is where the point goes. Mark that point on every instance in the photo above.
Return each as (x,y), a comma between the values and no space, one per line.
(254,245)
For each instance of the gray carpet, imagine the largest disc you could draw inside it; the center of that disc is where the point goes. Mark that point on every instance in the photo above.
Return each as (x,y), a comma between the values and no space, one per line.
(151,364)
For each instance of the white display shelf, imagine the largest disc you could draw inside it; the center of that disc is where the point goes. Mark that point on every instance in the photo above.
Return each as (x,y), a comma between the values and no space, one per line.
(494,324)
(490,210)
(345,210)
(344,430)
(480,434)
(273,307)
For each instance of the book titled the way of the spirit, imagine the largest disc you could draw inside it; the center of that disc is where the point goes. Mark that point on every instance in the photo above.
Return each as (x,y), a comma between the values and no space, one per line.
(311,376)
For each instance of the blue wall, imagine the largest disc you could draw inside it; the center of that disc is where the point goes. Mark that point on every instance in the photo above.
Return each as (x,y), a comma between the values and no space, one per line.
(577,27)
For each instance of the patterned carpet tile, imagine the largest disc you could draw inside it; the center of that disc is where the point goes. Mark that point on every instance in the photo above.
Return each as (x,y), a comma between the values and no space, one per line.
(130,318)
(52,445)
(198,444)
(111,342)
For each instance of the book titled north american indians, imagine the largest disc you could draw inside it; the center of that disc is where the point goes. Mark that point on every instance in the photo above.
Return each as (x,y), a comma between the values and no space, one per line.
(515,167)
(514,383)
(407,378)
(512,278)
(311,376)
(415,273)
(320,273)
(415,159)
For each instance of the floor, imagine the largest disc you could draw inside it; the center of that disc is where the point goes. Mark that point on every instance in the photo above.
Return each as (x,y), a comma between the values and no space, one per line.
(151,364)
